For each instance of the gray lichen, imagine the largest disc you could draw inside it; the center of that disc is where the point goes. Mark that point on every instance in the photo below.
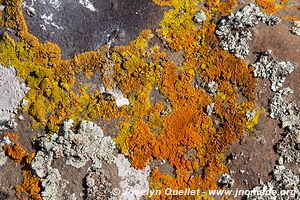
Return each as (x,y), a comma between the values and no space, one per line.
(225,180)
(296,28)
(87,144)
(3,157)
(199,16)
(283,180)
(212,88)
(235,30)
(289,147)
(134,182)
(285,111)
(210,109)
(12,91)
(98,185)
(268,67)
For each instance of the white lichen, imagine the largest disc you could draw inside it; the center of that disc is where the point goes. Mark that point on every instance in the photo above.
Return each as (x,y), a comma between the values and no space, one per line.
(212,88)
(268,67)
(12,91)
(296,28)
(199,16)
(210,109)
(133,182)
(226,180)
(283,180)
(48,21)
(87,144)
(235,30)
(87,4)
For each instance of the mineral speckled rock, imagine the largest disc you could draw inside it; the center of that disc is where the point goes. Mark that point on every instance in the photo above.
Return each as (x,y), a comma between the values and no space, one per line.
(12,91)
(235,30)
(267,66)
(83,25)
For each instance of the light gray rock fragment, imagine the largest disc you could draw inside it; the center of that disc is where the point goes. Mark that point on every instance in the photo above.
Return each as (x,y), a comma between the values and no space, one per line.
(235,30)
(12,91)
(267,67)
(296,28)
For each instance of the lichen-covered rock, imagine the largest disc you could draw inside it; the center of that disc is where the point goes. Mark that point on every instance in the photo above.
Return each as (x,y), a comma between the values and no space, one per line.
(12,91)
(283,180)
(285,111)
(133,182)
(225,180)
(199,16)
(268,67)
(3,158)
(212,88)
(87,144)
(234,30)
(98,186)
(289,147)
(296,28)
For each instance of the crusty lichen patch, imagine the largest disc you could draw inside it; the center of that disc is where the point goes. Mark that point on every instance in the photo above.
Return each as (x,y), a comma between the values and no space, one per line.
(146,132)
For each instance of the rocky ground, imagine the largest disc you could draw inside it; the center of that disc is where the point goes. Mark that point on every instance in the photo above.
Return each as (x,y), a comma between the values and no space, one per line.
(254,162)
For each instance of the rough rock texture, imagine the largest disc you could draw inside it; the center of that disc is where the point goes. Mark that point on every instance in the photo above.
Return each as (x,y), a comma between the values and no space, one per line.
(235,30)
(12,91)
(133,183)
(289,148)
(296,28)
(284,181)
(88,143)
(268,67)
(83,25)
(98,186)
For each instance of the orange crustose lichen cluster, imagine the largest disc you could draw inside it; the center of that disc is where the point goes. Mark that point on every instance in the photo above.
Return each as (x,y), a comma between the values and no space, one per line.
(191,141)
(30,187)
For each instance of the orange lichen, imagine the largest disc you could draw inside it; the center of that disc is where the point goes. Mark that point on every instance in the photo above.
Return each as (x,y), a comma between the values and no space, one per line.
(145,134)
(30,187)
(269,6)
